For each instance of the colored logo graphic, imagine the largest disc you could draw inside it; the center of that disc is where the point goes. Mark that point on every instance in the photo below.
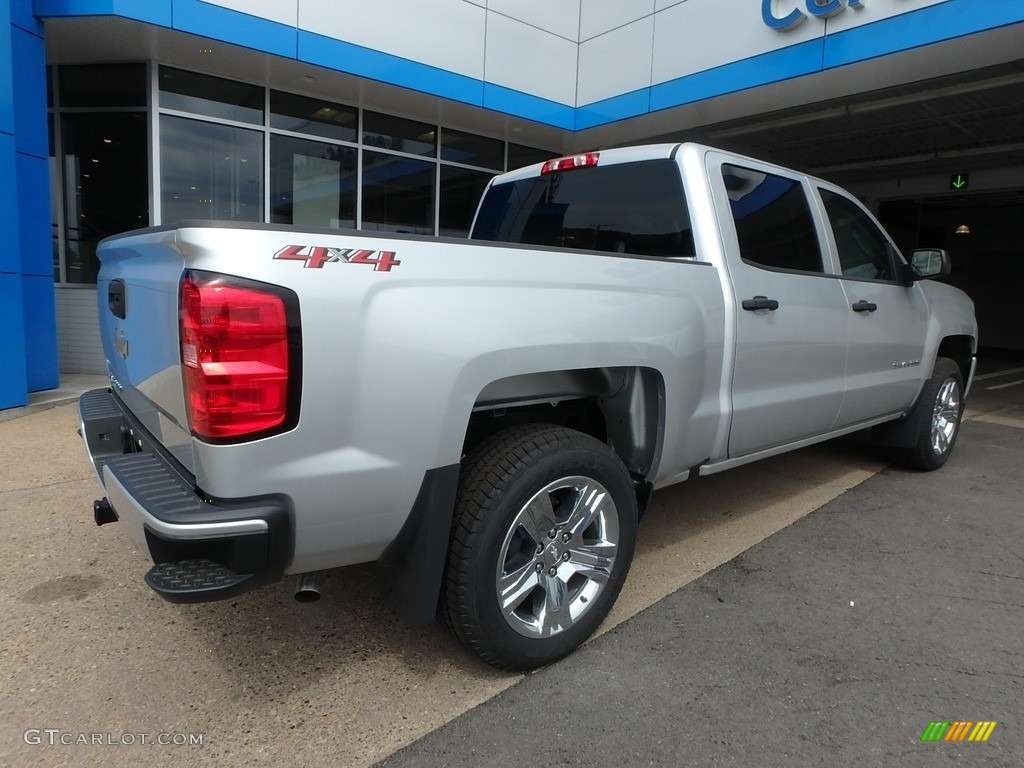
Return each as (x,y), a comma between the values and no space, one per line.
(959,730)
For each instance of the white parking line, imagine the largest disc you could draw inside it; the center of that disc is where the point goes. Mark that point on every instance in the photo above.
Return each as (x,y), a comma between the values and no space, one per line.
(996,374)
(1004,386)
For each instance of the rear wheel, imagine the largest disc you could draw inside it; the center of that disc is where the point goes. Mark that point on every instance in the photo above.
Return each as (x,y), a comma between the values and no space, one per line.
(941,407)
(543,536)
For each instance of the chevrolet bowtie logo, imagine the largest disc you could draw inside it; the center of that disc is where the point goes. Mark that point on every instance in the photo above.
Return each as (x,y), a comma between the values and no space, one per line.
(121,343)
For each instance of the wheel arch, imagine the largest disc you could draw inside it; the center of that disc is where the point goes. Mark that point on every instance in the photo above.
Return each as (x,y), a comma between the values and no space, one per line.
(622,406)
(959,349)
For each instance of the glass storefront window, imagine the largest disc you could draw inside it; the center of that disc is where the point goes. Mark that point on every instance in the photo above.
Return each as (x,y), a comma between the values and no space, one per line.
(55,197)
(103,85)
(301,114)
(398,134)
(469,149)
(520,156)
(461,190)
(209,171)
(413,174)
(104,184)
(312,183)
(398,194)
(210,96)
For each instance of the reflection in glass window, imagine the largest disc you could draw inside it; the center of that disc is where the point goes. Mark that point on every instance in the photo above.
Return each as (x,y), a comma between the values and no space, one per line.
(399,134)
(469,149)
(312,183)
(773,220)
(461,190)
(210,96)
(209,171)
(864,251)
(105,184)
(636,208)
(398,194)
(520,156)
(302,114)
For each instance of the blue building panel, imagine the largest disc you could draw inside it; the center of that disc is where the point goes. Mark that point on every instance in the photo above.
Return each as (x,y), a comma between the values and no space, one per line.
(22,16)
(159,12)
(29,62)
(611,110)
(34,215)
(10,258)
(773,67)
(933,24)
(512,102)
(221,23)
(42,370)
(6,71)
(13,381)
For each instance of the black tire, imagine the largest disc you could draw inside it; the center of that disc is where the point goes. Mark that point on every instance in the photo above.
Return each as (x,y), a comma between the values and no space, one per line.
(938,410)
(561,581)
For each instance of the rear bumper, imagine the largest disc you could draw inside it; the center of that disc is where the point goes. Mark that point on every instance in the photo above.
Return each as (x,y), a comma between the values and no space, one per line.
(156,500)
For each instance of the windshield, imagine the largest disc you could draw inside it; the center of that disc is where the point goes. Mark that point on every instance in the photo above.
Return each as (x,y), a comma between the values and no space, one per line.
(636,208)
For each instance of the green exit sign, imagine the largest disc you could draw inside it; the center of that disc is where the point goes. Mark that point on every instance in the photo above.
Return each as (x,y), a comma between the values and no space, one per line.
(959,181)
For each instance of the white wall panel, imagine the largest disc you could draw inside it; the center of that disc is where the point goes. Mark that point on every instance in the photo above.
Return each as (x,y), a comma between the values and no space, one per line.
(600,16)
(696,35)
(617,62)
(281,11)
(529,60)
(559,17)
(448,34)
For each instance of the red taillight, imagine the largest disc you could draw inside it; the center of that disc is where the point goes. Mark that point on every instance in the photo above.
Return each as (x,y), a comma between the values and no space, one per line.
(235,355)
(587,160)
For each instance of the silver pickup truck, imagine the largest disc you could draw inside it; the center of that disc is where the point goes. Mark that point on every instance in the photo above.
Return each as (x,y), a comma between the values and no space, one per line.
(487,418)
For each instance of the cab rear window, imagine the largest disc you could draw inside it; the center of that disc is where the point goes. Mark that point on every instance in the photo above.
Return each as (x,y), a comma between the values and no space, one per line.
(635,208)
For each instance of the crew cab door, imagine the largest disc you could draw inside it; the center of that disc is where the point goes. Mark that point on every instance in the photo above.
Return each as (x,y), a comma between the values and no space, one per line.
(884,369)
(792,316)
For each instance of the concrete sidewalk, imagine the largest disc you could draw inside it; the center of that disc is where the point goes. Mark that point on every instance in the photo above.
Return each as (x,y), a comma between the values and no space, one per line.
(71,388)
(835,642)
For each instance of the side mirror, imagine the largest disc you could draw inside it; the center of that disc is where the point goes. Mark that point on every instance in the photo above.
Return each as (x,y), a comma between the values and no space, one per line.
(926,263)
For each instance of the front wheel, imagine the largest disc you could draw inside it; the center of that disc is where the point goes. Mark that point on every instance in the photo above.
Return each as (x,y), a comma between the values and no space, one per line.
(544,531)
(939,409)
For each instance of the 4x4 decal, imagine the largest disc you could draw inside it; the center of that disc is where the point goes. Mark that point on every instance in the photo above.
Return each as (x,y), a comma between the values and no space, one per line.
(316,256)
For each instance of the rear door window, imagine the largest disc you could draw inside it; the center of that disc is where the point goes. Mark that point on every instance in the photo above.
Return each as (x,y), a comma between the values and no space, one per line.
(636,208)
(773,220)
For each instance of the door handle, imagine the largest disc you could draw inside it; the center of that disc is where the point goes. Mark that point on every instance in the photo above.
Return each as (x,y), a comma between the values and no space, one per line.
(760,302)
(865,306)
(116,298)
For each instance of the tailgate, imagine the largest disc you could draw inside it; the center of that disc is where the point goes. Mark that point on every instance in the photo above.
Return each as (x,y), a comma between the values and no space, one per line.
(138,316)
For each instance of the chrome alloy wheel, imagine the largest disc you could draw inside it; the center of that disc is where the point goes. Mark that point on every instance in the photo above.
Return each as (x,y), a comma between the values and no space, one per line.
(557,556)
(945,416)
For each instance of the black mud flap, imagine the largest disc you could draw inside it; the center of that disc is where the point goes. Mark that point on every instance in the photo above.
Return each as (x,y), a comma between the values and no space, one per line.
(413,564)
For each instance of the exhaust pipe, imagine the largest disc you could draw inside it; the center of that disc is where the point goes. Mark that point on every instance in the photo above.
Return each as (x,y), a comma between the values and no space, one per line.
(307,589)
